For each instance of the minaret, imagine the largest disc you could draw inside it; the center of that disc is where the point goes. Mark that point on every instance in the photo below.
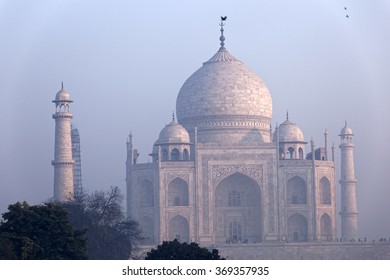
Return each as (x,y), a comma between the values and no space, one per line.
(63,161)
(349,213)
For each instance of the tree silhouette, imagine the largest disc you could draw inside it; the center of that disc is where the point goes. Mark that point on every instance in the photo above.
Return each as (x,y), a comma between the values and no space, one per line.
(110,236)
(40,232)
(174,250)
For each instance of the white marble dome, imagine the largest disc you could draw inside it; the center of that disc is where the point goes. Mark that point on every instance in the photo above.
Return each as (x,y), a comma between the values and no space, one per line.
(290,132)
(346,130)
(62,95)
(224,91)
(173,133)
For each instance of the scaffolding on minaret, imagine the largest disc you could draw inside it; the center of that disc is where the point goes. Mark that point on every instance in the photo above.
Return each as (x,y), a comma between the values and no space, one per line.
(76,153)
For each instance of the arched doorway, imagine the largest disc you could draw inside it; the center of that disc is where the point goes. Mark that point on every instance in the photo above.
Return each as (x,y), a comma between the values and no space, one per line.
(175,155)
(235,235)
(179,229)
(238,210)
(297,228)
(326,227)
(326,196)
(300,153)
(147,227)
(296,191)
(291,153)
(178,193)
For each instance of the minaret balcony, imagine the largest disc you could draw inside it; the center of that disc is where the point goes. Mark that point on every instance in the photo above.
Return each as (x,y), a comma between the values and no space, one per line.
(62,115)
(63,162)
(346,181)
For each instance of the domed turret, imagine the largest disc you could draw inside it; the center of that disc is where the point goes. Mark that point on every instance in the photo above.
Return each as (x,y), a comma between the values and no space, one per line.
(291,140)
(290,132)
(62,95)
(62,100)
(346,131)
(174,143)
(226,101)
(173,133)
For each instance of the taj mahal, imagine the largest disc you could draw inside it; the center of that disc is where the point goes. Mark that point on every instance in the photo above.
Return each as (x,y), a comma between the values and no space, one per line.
(221,176)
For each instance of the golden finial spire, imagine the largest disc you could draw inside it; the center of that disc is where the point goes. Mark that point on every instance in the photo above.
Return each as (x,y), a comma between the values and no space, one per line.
(222,38)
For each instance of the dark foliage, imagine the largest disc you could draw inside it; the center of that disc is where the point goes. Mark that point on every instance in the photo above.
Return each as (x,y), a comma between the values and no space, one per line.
(174,250)
(7,247)
(110,236)
(40,232)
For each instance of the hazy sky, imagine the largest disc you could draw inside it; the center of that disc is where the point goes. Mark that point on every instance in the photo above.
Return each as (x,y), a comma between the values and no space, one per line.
(123,62)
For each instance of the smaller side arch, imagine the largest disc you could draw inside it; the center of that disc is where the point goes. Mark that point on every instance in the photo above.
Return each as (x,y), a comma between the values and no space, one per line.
(300,153)
(175,154)
(291,153)
(326,227)
(296,191)
(186,155)
(178,193)
(325,191)
(147,227)
(179,229)
(297,229)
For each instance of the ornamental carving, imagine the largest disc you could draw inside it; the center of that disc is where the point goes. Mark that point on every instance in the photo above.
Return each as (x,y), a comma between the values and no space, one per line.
(237,121)
(172,176)
(219,172)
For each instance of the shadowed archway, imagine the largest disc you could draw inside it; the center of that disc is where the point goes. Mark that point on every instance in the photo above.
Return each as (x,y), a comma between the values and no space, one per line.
(297,230)
(238,210)
(326,228)
(179,229)
(178,193)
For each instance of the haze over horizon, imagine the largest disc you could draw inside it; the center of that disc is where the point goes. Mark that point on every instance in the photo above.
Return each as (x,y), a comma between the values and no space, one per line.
(123,63)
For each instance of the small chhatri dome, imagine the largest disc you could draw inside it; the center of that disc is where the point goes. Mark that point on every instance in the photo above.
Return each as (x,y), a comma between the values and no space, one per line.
(289,132)
(173,133)
(62,95)
(346,130)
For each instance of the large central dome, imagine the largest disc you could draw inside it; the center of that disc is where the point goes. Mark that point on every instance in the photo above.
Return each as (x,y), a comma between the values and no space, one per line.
(225,94)
(223,86)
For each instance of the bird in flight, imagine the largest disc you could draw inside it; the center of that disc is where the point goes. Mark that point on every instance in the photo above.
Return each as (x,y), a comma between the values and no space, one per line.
(224,18)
